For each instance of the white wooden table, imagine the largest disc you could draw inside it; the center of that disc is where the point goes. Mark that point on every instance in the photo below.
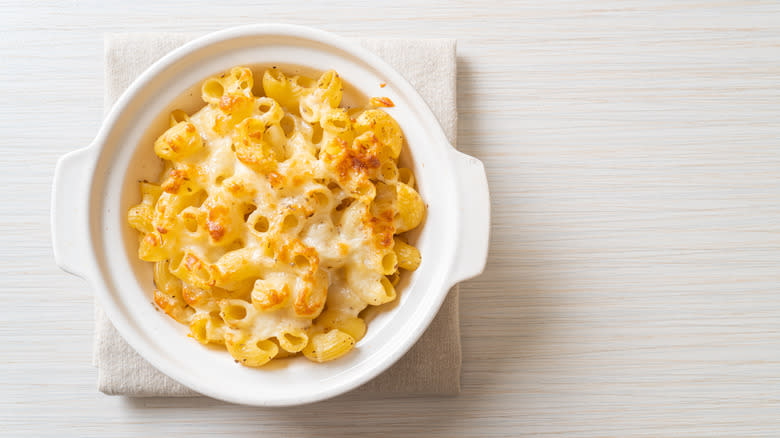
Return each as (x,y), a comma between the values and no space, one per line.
(633,286)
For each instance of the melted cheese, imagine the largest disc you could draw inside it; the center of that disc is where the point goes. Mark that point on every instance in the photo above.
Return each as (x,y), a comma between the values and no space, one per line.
(264,228)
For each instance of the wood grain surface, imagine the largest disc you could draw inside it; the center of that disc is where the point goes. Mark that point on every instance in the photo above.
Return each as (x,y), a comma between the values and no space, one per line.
(633,285)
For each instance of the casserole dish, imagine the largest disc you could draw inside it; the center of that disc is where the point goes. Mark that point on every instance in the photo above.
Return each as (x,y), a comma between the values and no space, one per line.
(95,186)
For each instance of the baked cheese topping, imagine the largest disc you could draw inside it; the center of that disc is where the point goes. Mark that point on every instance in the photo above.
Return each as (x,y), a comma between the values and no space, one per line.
(276,219)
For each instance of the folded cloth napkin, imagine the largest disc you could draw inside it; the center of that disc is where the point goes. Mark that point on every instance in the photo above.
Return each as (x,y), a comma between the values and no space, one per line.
(432,366)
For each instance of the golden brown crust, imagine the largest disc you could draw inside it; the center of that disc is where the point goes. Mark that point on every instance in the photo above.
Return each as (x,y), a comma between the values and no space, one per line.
(382,228)
(311,298)
(175,179)
(381,102)
(270,298)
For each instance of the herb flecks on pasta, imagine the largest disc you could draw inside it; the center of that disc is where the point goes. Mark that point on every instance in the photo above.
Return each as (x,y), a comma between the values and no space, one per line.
(276,219)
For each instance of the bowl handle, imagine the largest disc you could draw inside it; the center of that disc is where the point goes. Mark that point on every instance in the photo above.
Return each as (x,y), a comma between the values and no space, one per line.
(474,212)
(69,206)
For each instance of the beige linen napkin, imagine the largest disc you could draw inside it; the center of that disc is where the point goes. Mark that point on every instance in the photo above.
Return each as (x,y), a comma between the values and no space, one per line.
(432,366)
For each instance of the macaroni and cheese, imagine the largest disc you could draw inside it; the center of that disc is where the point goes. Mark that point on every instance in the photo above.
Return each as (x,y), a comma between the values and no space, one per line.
(276,219)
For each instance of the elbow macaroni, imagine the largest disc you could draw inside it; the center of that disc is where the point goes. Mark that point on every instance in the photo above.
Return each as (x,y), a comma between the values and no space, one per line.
(275,221)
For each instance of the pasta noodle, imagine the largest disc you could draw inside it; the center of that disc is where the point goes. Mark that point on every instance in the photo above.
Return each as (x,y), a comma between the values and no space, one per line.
(275,221)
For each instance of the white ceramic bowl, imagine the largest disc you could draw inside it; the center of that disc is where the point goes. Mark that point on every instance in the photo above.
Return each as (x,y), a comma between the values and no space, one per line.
(95,186)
